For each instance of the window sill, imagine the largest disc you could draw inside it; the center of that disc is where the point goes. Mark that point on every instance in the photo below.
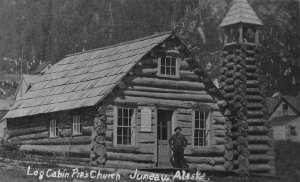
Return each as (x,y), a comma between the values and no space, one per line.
(168,76)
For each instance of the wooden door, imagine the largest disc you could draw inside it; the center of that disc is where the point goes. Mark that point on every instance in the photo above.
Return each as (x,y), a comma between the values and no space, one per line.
(164,120)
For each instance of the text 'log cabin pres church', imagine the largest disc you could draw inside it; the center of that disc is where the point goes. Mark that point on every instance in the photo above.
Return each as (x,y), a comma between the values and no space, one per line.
(142,90)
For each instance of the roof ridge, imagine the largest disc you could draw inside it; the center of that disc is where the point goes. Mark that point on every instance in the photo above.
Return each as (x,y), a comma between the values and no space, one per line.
(122,43)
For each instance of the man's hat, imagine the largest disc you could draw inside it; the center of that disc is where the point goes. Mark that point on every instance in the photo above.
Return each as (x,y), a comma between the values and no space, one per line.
(177,128)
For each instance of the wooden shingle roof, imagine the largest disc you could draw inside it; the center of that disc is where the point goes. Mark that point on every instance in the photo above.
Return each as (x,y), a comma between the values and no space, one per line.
(241,12)
(83,79)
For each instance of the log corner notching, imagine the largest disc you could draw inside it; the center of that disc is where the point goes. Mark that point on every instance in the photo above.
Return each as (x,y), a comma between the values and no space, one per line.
(98,147)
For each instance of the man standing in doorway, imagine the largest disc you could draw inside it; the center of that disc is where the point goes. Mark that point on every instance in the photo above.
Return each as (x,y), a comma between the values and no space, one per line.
(178,142)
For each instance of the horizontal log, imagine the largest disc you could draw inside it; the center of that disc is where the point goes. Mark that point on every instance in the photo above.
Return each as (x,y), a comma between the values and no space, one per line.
(256,122)
(35,136)
(251,68)
(184,117)
(258,139)
(207,167)
(253,91)
(146,138)
(59,141)
(219,140)
(72,149)
(146,148)
(205,160)
(252,83)
(128,165)
(185,97)
(164,90)
(254,105)
(219,120)
(207,151)
(258,130)
(184,124)
(164,103)
(26,131)
(260,158)
(184,111)
(156,82)
(130,157)
(260,168)
(189,76)
(258,148)
(255,114)
(219,133)
(254,98)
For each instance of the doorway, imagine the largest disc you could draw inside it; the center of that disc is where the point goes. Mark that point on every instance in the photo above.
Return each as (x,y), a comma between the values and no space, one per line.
(164,131)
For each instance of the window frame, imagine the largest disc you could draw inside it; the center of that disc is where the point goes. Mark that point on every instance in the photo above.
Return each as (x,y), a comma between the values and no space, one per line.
(294,130)
(77,124)
(207,129)
(133,127)
(176,67)
(56,128)
(285,112)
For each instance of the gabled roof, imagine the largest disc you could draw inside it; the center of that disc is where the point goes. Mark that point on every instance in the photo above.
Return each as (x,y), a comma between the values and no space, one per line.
(83,79)
(240,12)
(293,101)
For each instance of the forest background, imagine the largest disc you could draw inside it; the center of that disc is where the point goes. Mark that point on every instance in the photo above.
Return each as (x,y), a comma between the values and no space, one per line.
(33,32)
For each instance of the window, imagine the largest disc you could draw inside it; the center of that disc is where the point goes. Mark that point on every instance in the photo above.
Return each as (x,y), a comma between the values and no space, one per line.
(125,126)
(53,129)
(77,129)
(200,129)
(285,109)
(293,131)
(168,66)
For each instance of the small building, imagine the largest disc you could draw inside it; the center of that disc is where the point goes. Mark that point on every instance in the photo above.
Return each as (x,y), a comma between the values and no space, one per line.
(147,86)
(285,119)
(5,105)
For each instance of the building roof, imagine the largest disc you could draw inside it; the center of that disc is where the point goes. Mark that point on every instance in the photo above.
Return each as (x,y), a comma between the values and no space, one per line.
(83,79)
(282,120)
(241,12)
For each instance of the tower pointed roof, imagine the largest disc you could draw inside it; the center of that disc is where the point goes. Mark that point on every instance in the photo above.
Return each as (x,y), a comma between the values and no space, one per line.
(241,12)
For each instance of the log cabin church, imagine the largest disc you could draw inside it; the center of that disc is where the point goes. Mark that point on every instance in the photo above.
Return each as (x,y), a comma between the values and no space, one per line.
(147,86)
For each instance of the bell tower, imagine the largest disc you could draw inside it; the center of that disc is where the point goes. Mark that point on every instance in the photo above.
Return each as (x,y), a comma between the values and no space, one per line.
(251,137)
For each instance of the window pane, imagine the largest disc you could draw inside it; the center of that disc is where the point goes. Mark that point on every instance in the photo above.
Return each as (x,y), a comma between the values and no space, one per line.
(173,62)
(168,71)
(163,62)
(162,70)
(168,61)
(173,70)
(119,139)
